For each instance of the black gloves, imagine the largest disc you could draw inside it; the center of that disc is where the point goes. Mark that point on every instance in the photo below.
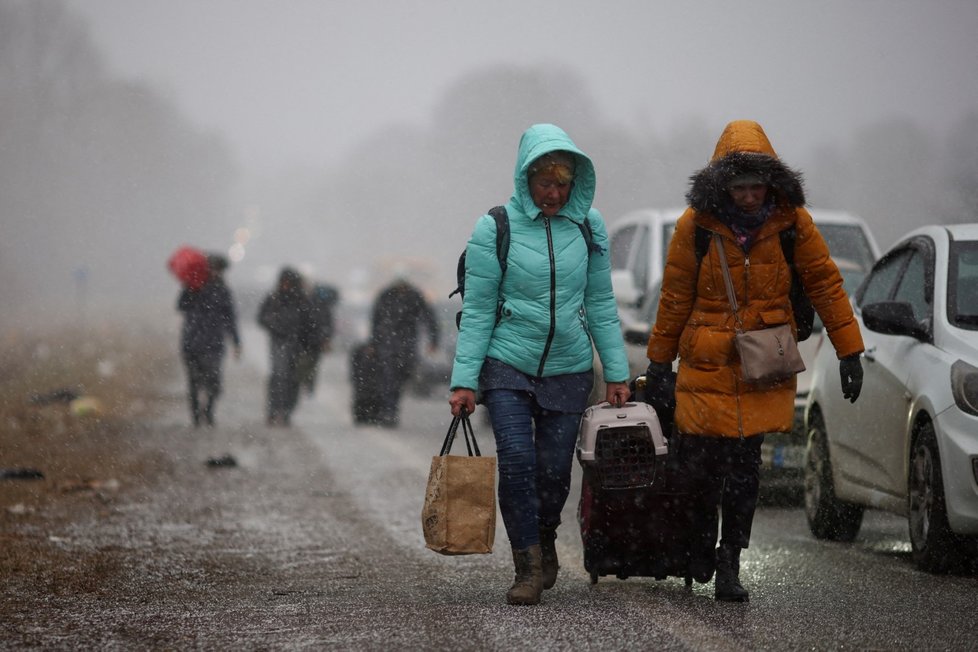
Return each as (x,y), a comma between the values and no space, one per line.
(851,371)
(660,389)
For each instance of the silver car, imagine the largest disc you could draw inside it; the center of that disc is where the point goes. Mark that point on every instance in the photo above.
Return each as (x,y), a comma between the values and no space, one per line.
(909,445)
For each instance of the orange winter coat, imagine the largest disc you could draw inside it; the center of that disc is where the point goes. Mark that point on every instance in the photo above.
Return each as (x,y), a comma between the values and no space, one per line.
(695,319)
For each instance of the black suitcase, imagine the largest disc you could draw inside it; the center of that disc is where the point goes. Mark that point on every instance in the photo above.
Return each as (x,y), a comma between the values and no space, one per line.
(634,511)
(365,378)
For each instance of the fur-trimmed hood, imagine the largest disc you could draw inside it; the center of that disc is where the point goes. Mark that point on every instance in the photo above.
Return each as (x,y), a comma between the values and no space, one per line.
(743,148)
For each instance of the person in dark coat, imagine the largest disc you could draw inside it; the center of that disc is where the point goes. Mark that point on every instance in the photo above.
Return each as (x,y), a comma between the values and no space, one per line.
(398,312)
(322,299)
(209,318)
(286,314)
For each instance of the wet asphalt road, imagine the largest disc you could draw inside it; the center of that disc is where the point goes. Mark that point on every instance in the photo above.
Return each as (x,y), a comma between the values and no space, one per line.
(313,542)
(805,594)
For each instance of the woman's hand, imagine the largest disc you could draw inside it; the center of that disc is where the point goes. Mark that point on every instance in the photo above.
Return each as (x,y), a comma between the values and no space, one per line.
(462,398)
(617,394)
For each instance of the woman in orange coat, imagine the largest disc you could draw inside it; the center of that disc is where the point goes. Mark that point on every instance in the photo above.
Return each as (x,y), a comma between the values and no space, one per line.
(747,196)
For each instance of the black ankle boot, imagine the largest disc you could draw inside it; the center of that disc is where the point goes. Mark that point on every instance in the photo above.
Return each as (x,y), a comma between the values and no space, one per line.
(727,587)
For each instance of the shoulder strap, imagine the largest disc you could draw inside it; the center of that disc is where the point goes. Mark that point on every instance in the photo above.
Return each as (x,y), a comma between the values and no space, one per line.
(502,235)
(588,234)
(701,244)
(788,246)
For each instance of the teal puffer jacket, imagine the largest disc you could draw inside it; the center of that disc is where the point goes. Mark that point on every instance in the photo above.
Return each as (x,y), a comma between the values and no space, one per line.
(554,298)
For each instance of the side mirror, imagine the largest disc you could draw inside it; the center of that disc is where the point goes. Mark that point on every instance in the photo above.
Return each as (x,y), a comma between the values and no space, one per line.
(894,318)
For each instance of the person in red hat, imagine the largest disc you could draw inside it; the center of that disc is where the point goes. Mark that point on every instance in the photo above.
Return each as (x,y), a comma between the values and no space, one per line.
(209,320)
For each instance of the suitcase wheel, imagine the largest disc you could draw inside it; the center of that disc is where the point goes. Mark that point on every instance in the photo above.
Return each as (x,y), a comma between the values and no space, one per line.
(594,577)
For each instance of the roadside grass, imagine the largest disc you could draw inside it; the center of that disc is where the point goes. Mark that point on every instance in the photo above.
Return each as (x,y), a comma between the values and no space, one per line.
(71,401)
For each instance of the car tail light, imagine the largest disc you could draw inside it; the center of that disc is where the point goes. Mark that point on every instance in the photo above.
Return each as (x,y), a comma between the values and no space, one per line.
(964,386)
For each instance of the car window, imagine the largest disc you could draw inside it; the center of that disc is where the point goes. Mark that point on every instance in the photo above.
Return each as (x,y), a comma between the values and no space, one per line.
(882,280)
(848,242)
(962,285)
(912,288)
(621,247)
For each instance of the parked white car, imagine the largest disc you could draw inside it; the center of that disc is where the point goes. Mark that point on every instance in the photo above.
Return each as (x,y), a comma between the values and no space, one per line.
(639,242)
(909,445)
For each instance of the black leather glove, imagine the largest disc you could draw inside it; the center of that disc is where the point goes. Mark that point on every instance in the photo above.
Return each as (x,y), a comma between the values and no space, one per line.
(851,370)
(660,387)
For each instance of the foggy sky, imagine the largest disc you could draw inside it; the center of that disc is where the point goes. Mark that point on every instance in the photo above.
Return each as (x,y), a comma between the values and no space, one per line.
(305,95)
(303,81)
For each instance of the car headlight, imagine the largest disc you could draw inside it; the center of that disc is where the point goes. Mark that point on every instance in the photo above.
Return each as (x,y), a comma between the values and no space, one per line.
(964,386)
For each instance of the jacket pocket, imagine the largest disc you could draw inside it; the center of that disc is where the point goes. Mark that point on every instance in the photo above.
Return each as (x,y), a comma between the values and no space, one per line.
(706,346)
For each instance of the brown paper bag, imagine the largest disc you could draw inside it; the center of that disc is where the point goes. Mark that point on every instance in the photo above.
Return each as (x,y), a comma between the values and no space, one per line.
(459,513)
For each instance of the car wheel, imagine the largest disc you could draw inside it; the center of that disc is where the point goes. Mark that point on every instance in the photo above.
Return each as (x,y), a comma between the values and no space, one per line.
(935,547)
(828,517)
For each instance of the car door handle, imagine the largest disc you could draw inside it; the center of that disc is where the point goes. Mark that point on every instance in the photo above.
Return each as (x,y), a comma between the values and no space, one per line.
(870,354)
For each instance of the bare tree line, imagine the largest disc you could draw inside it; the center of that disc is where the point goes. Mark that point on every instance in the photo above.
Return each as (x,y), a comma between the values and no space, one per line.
(100,178)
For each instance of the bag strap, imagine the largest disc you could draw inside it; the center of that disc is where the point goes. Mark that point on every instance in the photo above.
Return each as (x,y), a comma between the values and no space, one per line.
(470,442)
(731,295)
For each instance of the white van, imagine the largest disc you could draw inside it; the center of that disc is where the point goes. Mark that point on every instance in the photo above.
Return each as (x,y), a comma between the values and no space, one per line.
(639,241)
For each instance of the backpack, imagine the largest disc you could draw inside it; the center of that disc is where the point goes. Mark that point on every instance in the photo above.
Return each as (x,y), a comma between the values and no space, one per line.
(801,305)
(499,214)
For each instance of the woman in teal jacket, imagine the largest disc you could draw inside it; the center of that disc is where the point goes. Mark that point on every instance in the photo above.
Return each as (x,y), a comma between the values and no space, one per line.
(525,342)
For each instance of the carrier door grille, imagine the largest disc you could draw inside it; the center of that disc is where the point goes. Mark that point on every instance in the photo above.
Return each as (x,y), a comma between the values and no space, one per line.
(625,457)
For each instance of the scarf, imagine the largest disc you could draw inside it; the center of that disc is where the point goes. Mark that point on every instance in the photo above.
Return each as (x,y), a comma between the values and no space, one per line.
(745,225)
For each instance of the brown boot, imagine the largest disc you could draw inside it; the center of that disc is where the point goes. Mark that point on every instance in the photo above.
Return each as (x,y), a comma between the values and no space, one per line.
(548,556)
(528,583)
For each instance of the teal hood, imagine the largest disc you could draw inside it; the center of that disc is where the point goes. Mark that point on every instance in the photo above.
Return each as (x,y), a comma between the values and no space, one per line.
(542,139)
(555,305)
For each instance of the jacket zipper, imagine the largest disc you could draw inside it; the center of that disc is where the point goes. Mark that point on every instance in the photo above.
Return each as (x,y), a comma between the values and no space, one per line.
(553,297)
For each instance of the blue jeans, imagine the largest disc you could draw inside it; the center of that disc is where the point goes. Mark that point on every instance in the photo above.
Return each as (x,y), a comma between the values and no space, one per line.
(535,451)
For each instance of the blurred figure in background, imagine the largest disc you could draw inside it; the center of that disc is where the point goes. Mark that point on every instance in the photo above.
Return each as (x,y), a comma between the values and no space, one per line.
(398,312)
(322,299)
(209,318)
(286,314)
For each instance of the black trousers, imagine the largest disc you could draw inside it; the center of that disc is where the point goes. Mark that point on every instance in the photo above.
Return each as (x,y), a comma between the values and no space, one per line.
(723,475)
(203,377)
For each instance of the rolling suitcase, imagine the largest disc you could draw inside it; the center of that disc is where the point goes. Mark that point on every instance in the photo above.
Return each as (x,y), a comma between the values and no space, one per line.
(633,512)
(365,378)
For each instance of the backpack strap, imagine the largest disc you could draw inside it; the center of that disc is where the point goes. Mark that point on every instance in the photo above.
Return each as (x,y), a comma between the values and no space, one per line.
(787,237)
(788,246)
(588,233)
(701,244)
(502,235)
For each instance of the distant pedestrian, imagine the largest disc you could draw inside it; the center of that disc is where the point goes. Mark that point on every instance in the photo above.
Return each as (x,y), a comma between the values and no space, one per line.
(209,318)
(399,312)
(322,299)
(286,314)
